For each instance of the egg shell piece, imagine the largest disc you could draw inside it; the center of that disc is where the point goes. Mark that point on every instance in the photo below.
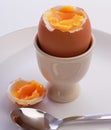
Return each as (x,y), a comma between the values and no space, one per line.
(23,102)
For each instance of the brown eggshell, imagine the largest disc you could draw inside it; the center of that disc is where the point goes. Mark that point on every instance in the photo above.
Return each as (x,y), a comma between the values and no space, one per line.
(64,44)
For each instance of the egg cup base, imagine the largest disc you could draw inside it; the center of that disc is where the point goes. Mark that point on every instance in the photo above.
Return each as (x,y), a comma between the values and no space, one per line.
(68,94)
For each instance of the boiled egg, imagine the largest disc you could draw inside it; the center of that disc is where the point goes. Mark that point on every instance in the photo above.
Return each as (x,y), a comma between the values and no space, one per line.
(64,31)
(26,93)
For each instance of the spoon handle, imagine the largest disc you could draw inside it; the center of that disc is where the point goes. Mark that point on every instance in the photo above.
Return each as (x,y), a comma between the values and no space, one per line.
(88,118)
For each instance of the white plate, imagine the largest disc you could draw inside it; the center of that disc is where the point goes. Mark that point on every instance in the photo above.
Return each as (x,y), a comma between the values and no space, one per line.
(17,59)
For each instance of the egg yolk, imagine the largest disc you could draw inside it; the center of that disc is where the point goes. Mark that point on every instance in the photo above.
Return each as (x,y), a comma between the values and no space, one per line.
(27,90)
(66,18)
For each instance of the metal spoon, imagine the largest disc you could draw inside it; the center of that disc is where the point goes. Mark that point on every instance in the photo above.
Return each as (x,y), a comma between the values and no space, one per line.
(33,119)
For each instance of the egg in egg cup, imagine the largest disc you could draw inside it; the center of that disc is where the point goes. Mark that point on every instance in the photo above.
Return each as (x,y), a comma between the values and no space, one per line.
(64,45)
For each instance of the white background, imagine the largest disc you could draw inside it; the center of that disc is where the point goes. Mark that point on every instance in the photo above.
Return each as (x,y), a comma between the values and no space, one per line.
(19,14)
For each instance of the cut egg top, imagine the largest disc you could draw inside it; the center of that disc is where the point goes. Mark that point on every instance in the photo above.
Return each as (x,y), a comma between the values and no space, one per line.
(26,93)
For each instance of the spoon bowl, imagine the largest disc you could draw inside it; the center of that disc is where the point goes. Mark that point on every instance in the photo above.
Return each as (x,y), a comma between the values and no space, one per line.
(34,119)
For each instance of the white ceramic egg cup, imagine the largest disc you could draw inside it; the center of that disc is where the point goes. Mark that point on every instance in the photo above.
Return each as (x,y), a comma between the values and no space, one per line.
(63,74)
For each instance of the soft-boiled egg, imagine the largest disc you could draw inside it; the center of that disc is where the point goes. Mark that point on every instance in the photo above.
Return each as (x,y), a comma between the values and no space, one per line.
(64,31)
(26,93)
